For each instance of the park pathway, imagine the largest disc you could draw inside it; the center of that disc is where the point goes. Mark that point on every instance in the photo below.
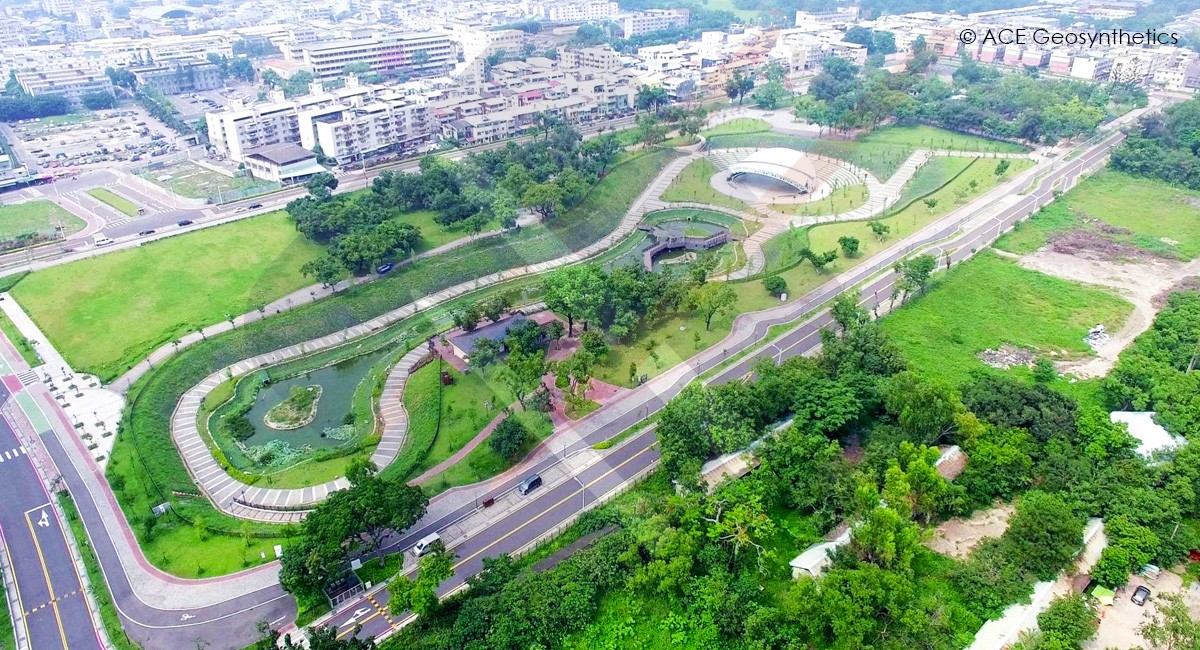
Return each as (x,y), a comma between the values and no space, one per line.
(282,505)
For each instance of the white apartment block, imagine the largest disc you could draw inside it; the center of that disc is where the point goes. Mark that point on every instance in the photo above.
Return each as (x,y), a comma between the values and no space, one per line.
(801,50)
(577,12)
(72,83)
(59,7)
(236,131)
(651,20)
(837,17)
(480,43)
(601,57)
(416,54)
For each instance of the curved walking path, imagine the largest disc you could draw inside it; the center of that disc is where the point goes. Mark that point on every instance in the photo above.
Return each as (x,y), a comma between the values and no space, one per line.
(282,505)
(881,197)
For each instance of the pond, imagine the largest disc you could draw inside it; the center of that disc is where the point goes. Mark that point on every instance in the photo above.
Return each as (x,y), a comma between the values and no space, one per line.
(337,383)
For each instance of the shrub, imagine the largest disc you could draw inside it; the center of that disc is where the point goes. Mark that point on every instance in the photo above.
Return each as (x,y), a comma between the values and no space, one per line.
(775,285)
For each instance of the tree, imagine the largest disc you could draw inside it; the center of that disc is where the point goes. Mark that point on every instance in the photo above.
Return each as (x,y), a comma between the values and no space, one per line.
(420,595)
(1044,534)
(775,285)
(97,101)
(820,260)
(1001,169)
(880,229)
(650,130)
(321,184)
(1172,627)
(1068,622)
(327,270)
(739,86)
(576,292)
(930,204)
(545,199)
(847,313)
(770,95)
(651,98)
(914,273)
(741,525)
(925,409)
(508,438)
(522,372)
(849,245)
(556,330)
(710,299)
(484,353)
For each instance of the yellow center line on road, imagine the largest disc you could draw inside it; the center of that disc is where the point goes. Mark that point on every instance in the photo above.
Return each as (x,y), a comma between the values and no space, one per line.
(512,532)
(62,632)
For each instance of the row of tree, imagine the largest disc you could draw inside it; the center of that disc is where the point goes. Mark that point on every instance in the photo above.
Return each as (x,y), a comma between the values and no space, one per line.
(1166,146)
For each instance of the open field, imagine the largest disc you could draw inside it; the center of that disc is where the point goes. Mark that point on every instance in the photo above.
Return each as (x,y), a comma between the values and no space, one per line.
(186,178)
(40,216)
(692,185)
(483,463)
(989,301)
(114,200)
(738,126)
(881,152)
(106,313)
(842,199)
(1156,217)
(432,233)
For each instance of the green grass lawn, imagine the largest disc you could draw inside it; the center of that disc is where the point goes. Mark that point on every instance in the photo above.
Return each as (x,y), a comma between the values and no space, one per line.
(1151,210)
(989,301)
(114,200)
(22,344)
(483,463)
(106,313)
(842,199)
(434,234)
(881,152)
(692,185)
(936,172)
(738,126)
(736,226)
(467,406)
(680,141)
(40,216)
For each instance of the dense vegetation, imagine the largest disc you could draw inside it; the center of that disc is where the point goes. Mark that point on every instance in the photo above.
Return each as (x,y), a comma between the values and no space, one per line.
(546,176)
(979,99)
(713,559)
(1166,146)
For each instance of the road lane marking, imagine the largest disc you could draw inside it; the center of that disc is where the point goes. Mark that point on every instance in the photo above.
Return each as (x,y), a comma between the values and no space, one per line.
(16,585)
(62,632)
(512,532)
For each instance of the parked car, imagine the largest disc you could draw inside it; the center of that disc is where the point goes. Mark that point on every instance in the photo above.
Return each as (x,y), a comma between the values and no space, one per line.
(425,544)
(530,484)
(1140,596)
(384,268)
(146,232)
(254,206)
(184,222)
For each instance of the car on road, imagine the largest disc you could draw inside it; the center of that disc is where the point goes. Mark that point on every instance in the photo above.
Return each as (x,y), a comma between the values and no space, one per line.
(254,206)
(143,233)
(1140,596)
(240,210)
(425,544)
(101,240)
(384,268)
(184,222)
(530,484)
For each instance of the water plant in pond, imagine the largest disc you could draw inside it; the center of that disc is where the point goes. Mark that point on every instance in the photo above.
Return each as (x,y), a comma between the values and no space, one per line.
(296,411)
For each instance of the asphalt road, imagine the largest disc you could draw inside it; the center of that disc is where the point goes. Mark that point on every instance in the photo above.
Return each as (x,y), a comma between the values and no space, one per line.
(551,507)
(49,590)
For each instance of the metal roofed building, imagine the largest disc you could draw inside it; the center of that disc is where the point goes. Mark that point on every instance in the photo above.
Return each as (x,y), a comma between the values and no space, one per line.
(283,163)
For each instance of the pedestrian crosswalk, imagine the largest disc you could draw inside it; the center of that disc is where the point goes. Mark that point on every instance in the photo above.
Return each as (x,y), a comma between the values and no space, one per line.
(12,454)
(28,378)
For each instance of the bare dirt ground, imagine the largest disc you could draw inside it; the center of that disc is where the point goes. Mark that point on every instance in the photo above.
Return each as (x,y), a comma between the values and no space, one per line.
(957,537)
(1119,624)
(1141,281)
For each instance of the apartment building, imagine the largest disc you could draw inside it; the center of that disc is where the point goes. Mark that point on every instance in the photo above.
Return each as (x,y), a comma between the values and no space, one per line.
(839,17)
(179,76)
(651,20)
(391,122)
(1091,68)
(414,54)
(72,83)
(601,57)
(576,12)
(481,43)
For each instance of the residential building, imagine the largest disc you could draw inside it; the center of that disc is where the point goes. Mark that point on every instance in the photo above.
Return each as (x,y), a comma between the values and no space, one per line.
(839,17)
(414,54)
(577,12)
(651,20)
(179,76)
(347,133)
(72,83)
(481,43)
(601,57)
(59,7)
(1092,68)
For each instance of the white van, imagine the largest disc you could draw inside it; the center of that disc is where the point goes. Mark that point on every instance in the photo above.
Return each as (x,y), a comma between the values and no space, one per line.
(101,240)
(425,544)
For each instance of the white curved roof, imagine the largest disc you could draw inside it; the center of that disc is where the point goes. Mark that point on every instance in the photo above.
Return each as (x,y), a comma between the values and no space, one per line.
(783,164)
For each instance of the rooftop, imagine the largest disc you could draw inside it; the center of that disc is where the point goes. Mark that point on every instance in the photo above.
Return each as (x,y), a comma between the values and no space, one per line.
(282,154)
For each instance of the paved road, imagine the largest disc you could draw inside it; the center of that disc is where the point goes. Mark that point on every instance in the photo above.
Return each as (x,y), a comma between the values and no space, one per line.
(49,590)
(556,505)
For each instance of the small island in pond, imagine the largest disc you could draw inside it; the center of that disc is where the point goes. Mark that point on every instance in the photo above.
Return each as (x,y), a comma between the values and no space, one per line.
(299,409)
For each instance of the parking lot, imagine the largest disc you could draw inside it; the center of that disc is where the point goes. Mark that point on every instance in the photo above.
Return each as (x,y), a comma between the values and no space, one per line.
(186,178)
(82,141)
(195,105)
